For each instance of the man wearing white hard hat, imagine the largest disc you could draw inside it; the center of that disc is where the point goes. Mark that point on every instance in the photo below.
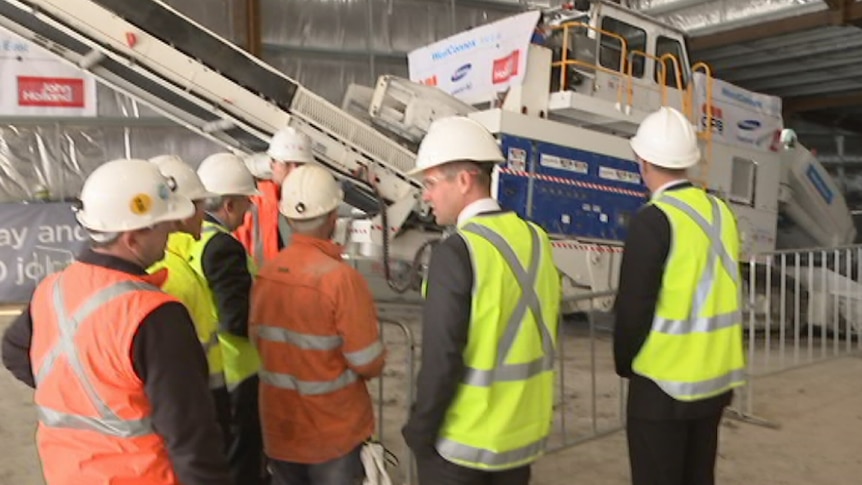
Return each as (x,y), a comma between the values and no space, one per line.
(120,381)
(485,388)
(228,271)
(315,325)
(186,284)
(678,331)
(288,149)
(259,232)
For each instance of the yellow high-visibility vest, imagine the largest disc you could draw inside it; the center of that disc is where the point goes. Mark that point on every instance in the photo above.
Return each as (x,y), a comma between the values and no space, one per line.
(694,350)
(241,360)
(191,289)
(501,415)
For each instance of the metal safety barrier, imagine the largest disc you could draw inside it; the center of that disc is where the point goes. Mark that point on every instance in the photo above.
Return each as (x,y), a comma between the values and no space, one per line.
(388,395)
(800,308)
(590,397)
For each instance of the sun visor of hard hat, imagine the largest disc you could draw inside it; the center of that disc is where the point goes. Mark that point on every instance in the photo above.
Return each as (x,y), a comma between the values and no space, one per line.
(201,194)
(419,169)
(176,208)
(179,208)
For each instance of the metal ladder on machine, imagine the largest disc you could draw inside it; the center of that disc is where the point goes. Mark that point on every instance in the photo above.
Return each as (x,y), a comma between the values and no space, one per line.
(708,111)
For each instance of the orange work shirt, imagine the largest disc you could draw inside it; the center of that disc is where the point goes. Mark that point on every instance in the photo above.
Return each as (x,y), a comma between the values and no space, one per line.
(315,325)
(259,230)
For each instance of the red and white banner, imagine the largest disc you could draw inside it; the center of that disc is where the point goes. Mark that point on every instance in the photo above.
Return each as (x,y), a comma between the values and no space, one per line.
(477,64)
(37,83)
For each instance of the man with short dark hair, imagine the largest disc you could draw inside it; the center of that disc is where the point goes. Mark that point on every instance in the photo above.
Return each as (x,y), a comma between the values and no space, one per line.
(489,324)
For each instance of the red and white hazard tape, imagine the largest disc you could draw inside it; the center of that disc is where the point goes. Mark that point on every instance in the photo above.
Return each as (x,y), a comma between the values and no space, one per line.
(577,183)
(595,248)
(377,228)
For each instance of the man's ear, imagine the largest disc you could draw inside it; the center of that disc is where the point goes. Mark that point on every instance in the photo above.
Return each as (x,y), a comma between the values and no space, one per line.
(465,180)
(229,204)
(131,239)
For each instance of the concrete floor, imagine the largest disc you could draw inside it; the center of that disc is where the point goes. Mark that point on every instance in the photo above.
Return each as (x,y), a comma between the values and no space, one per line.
(819,409)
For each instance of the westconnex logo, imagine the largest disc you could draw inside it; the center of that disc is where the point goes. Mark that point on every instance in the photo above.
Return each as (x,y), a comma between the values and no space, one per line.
(454,49)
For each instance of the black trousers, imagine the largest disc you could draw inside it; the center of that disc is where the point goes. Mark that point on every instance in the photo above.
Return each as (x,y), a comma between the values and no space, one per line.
(434,470)
(344,470)
(245,449)
(673,452)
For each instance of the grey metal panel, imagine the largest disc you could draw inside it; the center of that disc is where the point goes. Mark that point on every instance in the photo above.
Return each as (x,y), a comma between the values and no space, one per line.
(220,16)
(828,87)
(340,24)
(791,69)
(813,49)
(329,77)
(780,42)
(807,78)
(402,26)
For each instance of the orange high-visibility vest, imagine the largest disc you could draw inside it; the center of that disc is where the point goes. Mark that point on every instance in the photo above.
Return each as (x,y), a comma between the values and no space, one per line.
(94,416)
(259,230)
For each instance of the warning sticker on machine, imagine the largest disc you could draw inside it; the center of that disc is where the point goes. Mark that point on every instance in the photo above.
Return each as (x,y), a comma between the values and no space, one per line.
(618,175)
(564,163)
(517,159)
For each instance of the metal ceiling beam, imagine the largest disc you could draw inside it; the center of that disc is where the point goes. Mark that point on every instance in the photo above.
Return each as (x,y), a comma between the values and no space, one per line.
(253,35)
(790,68)
(820,89)
(782,41)
(671,7)
(813,103)
(832,47)
(849,124)
(850,14)
(804,78)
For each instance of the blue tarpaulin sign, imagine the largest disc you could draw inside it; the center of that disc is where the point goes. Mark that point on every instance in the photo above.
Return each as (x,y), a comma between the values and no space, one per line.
(35,240)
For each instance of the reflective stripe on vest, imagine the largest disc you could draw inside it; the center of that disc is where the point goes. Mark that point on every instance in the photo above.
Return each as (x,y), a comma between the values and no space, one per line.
(314,342)
(308,388)
(503,372)
(470,454)
(108,422)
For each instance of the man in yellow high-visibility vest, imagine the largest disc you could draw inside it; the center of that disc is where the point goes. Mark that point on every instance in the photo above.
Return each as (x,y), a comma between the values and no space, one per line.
(678,331)
(227,270)
(489,325)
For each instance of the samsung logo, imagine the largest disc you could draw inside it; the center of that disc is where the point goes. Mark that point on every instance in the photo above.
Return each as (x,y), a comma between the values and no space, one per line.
(461,72)
(748,125)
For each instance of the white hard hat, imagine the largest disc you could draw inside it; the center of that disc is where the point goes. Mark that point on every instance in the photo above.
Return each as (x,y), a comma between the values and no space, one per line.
(308,192)
(667,139)
(124,195)
(290,145)
(226,174)
(456,139)
(188,183)
(259,165)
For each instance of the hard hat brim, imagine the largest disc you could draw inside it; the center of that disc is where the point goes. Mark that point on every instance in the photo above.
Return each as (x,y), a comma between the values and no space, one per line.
(182,209)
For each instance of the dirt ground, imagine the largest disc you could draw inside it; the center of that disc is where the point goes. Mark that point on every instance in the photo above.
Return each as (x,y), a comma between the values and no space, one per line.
(818,409)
